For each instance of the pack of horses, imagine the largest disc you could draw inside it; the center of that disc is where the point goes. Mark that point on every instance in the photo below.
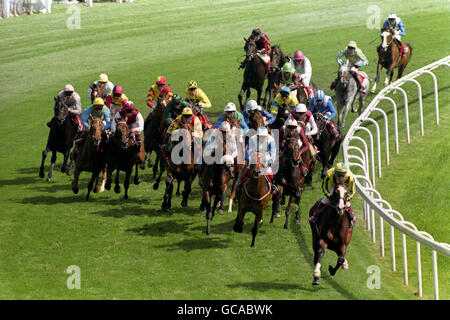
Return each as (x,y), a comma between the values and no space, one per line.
(109,152)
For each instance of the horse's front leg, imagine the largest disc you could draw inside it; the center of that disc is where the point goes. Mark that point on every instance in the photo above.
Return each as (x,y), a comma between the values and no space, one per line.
(155,166)
(297,213)
(52,165)
(64,165)
(167,202)
(288,212)
(76,175)
(377,78)
(126,183)
(258,219)
(102,188)
(239,221)
(389,74)
(186,192)
(207,203)
(319,246)
(136,175)
(91,182)
(240,95)
(340,261)
(116,182)
(44,155)
(109,170)
(161,170)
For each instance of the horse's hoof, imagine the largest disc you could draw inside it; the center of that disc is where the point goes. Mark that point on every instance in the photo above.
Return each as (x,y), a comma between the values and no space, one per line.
(69,171)
(331,270)
(63,169)
(75,190)
(177,194)
(277,215)
(208,231)
(142,166)
(49,179)
(184,204)
(155,186)
(345,265)
(95,190)
(315,281)
(202,207)
(237,228)
(41,174)
(125,197)
(117,189)
(285,226)
(220,211)
(137,181)
(108,186)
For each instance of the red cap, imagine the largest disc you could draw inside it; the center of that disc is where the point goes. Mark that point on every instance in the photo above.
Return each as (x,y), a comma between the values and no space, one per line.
(161,80)
(118,89)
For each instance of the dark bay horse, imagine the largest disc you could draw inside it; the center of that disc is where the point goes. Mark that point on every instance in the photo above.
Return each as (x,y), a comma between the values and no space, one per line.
(183,171)
(326,143)
(254,197)
(154,131)
(123,155)
(389,57)
(97,91)
(60,138)
(215,178)
(91,156)
(331,231)
(254,74)
(290,178)
(301,93)
(277,60)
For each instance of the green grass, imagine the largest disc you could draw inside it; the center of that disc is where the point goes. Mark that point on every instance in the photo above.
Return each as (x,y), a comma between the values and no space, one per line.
(131,250)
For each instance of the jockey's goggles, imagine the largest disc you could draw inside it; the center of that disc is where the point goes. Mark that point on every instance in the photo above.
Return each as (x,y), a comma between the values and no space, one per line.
(284,94)
(68,93)
(129,110)
(117,95)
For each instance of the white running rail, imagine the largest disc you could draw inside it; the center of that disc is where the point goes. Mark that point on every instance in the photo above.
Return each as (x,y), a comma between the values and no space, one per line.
(365,183)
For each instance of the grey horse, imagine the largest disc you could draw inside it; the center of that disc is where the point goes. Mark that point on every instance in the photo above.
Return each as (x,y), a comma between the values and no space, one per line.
(347,92)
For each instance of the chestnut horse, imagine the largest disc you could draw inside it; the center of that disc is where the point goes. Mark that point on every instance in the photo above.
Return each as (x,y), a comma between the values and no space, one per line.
(60,138)
(91,156)
(96,91)
(255,195)
(183,171)
(389,57)
(331,231)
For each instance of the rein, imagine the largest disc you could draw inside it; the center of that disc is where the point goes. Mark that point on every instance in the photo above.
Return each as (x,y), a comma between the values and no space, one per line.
(264,196)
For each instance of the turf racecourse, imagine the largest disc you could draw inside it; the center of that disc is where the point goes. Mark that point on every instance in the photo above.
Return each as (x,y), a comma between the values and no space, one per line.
(132,250)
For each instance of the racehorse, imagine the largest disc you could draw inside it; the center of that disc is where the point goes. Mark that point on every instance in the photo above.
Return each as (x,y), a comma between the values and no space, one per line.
(290,178)
(277,60)
(331,231)
(122,156)
(215,177)
(182,172)
(154,131)
(347,92)
(389,57)
(254,197)
(301,93)
(238,161)
(91,156)
(327,144)
(60,138)
(97,91)
(254,74)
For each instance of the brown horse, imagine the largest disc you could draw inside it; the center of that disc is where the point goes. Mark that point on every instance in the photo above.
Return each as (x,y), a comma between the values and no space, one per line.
(331,231)
(389,57)
(97,91)
(254,74)
(254,197)
(122,156)
(277,60)
(182,171)
(154,131)
(290,179)
(302,94)
(91,156)
(215,178)
(60,138)
(238,161)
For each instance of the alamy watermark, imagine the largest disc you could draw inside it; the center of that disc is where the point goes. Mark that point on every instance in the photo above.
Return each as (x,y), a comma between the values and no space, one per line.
(74,20)
(374,280)
(73,281)
(373,21)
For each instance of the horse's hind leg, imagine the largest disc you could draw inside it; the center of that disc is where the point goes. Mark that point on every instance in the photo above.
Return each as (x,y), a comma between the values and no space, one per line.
(136,175)
(52,165)
(44,155)
(102,188)
(155,166)
(297,213)
(178,189)
(126,183)
(116,182)
(64,165)
(91,183)
(275,207)
(340,261)
(161,171)
(167,202)
(186,192)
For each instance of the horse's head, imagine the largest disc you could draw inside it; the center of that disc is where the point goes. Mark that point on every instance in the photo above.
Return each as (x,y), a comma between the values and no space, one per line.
(276,88)
(321,122)
(61,111)
(122,136)
(344,71)
(292,150)
(255,168)
(277,57)
(250,49)
(97,91)
(162,100)
(338,197)
(386,38)
(95,130)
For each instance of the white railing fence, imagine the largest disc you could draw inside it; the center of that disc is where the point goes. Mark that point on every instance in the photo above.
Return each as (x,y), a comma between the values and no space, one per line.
(355,157)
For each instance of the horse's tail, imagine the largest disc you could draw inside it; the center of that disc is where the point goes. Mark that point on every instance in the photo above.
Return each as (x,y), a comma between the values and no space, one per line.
(410,49)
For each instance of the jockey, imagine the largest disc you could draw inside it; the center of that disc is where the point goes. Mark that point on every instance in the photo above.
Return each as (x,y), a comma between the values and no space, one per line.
(353,54)
(397,24)
(284,98)
(289,129)
(174,109)
(187,116)
(304,118)
(116,100)
(339,174)
(262,45)
(303,66)
(250,108)
(134,119)
(97,109)
(211,144)
(73,102)
(230,113)
(324,104)
(102,82)
(159,87)
(264,144)
(194,94)
(289,77)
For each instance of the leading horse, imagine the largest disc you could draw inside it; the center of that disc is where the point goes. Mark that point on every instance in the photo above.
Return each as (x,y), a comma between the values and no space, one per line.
(60,138)
(389,57)
(331,231)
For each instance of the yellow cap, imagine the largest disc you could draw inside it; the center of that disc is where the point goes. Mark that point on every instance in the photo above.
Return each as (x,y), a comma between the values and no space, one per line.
(98,102)
(192,84)
(187,111)
(103,78)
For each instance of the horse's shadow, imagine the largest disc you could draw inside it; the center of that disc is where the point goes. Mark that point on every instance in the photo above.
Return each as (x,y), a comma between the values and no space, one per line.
(162,229)
(202,243)
(129,211)
(81,198)
(263,286)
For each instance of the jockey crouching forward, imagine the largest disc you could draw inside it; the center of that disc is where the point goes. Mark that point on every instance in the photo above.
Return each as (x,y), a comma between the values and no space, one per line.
(263,144)
(198,101)
(291,129)
(305,119)
(116,100)
(399,27)
(339,174)
(134,119)
(73,101)
(303,66)
(262,45)
(324,104)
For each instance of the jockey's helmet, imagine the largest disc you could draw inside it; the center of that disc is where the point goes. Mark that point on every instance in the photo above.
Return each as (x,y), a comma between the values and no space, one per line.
(192,85)
(287,67)
(161,80)
(225,126)
(300,108)
(251,105)
(227,159)
(176,99)
(262,131)
(351,44)
(285,91)
(68,88)
(230,107)
(103,78)
(298,55)
(129,106)
(256,32)
(392,16)
(341,169)
(98,102)
(187,111)
(319,95)
(291,123)
(117,90)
